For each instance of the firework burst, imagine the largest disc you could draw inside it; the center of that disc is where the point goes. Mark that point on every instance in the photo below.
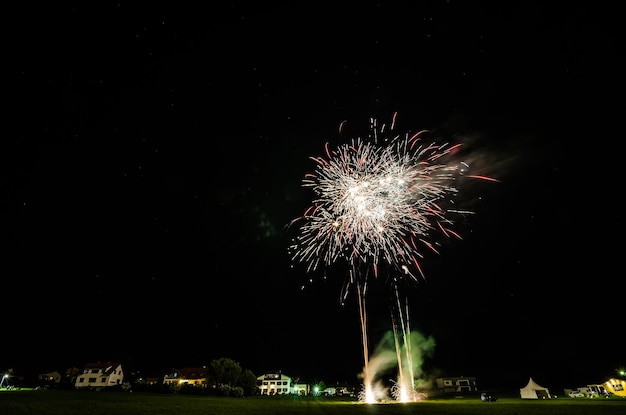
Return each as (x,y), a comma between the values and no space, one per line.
(378,202)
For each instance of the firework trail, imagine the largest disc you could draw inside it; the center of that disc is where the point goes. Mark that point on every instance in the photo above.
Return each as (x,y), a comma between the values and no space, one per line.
(378,201)
(410,348)
(400,323)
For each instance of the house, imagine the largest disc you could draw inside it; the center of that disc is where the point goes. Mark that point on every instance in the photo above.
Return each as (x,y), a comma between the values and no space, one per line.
(70,375)
(456,385)
(152,380)
(196,376)
(100,375)
(51,378)
(300,389)
(616,387)
(275,383)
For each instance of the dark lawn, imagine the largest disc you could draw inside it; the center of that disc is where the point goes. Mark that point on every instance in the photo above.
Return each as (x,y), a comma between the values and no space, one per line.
(59,402)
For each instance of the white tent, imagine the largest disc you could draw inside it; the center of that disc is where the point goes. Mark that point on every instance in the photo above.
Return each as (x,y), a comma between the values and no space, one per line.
(534,391)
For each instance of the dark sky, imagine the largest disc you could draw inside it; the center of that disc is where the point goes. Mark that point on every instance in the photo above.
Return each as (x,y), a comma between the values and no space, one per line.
(155,153)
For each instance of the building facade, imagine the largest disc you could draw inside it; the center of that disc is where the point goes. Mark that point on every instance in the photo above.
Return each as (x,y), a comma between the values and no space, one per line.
(100,375)
(274,384)
(456,385)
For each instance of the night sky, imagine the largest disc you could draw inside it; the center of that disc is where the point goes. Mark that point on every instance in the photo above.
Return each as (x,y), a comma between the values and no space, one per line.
(153,155)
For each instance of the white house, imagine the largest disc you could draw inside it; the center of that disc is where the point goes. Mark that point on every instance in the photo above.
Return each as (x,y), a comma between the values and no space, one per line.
(456,385)
(300,389)
(274,384)
(100,375)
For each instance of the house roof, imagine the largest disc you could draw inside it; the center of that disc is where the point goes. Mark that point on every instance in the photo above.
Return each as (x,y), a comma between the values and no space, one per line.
(189,373)
(274,376)
(107,366)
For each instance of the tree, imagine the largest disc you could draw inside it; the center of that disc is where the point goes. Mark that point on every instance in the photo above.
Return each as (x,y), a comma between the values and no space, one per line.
(226,377)
(225,371)
(248,383)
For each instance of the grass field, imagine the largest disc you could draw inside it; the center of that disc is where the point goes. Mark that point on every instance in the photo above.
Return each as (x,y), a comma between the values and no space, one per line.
(71,402)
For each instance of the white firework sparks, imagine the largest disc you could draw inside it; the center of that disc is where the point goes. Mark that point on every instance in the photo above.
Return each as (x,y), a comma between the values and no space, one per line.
(377,202)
